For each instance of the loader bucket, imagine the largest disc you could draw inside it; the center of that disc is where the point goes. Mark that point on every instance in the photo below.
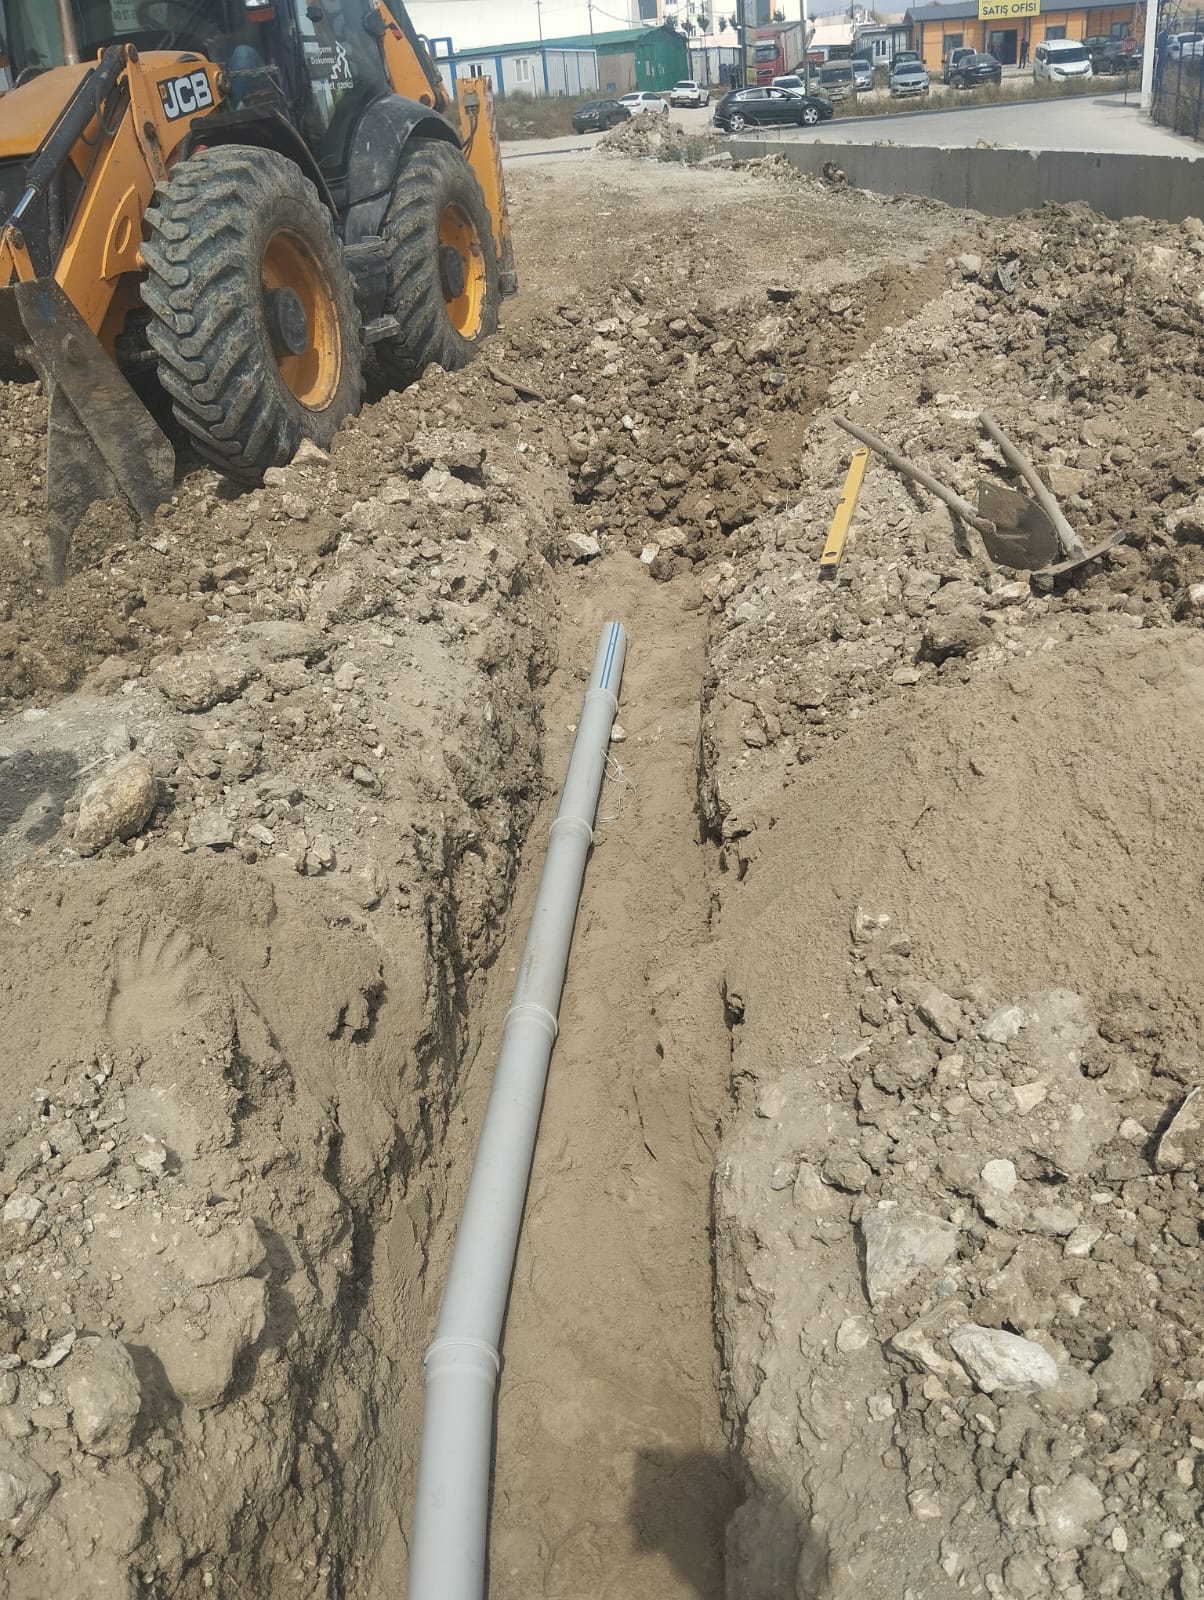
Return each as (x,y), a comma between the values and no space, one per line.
(101,443)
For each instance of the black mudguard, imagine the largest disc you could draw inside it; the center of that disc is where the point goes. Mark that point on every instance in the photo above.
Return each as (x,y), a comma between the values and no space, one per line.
(384,130)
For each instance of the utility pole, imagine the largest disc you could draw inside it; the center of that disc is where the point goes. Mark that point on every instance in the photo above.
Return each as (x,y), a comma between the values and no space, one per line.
(539,18)
(746,34)
(1147,54)
(806,48)
(590,9)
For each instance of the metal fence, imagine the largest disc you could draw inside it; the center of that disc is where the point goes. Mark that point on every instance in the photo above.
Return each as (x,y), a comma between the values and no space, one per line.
(1179,72)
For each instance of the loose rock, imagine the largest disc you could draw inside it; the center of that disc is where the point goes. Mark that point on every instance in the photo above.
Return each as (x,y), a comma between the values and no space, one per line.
(117,805)
(105,1397)
(899,1245)
(996,1359)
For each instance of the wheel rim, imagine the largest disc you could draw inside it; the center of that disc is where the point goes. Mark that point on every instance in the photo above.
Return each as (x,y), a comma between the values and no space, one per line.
(313,374)
(462,271)
(737,123)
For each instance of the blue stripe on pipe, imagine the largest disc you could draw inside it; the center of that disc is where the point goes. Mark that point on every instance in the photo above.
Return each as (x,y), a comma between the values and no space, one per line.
(612,644)
(608,658)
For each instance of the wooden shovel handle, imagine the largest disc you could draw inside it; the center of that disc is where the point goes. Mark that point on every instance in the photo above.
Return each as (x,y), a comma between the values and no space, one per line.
(956,503)
(1071,544)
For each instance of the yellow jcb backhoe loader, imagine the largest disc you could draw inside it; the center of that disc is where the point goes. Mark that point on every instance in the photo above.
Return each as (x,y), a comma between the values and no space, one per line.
(231,201)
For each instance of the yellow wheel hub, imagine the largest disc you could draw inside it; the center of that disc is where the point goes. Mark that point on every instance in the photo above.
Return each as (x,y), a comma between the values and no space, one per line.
(311,360)
(462,271)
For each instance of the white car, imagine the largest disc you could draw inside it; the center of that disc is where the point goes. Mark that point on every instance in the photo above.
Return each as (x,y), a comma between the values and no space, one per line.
(643,101)
(1182,45)
(1058,59)
(689,93)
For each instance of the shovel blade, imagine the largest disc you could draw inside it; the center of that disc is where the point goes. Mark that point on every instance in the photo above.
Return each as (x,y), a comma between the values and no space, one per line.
(1024,537)
(102,441)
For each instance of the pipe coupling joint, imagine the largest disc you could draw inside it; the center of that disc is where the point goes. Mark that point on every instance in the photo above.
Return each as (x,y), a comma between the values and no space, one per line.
(463,1354)
(607,697)
(572,824)
(532,1011)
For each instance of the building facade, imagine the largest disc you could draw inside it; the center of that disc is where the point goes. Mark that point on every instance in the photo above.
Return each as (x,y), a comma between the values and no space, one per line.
(611,63)
(714,64)
(935,30)
(534,69)
(878,41)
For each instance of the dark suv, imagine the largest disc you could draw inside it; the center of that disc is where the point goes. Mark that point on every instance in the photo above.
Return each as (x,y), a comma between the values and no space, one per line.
(951,62)
(975,69)
(1110,56)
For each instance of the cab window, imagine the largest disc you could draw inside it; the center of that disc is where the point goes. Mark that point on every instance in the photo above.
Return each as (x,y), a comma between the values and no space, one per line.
(345,69)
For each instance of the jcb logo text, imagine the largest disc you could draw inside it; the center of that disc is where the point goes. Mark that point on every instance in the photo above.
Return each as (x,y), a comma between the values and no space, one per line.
(183,96)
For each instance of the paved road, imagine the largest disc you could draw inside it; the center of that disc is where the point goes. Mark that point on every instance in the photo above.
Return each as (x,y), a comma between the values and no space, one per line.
(1099,123)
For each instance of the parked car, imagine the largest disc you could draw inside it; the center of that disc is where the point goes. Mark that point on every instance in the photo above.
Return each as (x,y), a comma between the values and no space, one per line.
(769,107)
(835,80)
(1056,60)
(953,60)
(641,100)
(908,77)
(901,57)
(689,93)
(863,73)
(1182,45)
(598,114)
(974,70)
(1111,56)
(790,80)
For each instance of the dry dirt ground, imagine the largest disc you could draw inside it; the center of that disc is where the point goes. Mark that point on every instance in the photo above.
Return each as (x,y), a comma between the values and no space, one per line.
(862,1246)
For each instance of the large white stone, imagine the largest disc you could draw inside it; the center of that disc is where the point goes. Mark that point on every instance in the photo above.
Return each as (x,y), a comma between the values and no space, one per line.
(999,1360)
(899,1245)
(117,805)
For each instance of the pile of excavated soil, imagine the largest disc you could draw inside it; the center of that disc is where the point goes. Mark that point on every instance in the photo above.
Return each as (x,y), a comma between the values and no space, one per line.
(655,136)
(958,1216)
(1117,428)
(958,1220)
(250,872)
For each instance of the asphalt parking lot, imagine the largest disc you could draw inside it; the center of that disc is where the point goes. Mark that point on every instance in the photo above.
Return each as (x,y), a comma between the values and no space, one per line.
(1104,123)
(1100,123)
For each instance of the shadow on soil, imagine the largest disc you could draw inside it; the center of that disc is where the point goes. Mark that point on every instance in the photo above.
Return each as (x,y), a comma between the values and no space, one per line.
(33,790)
(680,1503)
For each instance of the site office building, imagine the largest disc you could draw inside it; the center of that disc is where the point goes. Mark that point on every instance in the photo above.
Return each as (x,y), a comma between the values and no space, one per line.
(1001,26)
(615,63)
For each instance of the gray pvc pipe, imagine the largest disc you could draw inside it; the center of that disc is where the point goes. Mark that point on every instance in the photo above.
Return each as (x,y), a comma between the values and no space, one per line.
(447,1547)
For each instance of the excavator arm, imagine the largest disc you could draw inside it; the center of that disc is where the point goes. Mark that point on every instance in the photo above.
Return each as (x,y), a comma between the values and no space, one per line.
(115,134)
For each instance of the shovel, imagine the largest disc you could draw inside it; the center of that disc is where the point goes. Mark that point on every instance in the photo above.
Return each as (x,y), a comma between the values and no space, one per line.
(1016,531)
(1044,519)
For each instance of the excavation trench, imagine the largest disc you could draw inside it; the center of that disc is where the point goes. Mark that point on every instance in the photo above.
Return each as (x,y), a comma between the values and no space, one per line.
(236,1141)
(610,1473)
(279,1004)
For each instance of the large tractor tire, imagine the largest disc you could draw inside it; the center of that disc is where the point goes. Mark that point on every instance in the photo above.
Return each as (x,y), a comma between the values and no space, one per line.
(443,272)
(253,314)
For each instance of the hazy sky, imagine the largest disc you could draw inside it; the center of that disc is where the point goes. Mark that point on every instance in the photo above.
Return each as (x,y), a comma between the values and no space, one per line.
(476,22)
(472,23)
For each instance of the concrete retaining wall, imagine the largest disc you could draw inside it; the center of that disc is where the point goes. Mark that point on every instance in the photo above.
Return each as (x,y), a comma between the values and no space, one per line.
(1002,182)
